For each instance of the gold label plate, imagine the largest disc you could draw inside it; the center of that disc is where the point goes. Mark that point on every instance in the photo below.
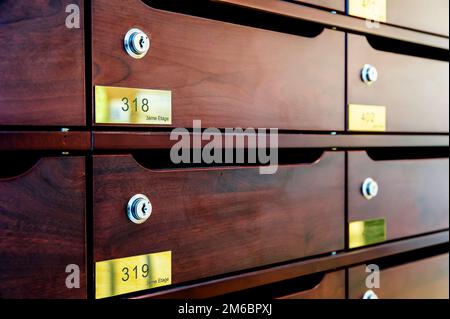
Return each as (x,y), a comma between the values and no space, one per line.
(124,275)
(369,9)
(367,118)
(115,105)
(367,232)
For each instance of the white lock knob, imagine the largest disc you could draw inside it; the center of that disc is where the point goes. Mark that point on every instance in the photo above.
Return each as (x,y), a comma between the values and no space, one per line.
(370,294)
(136,43)
(370,188)
(369,74)
(139,208)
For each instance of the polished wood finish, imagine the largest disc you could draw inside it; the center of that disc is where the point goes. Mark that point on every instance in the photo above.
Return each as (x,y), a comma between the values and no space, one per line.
(161,140)
(414,90)
(413,195)
(428,16)
(332,286)
(424,279)
(216,221)
(347,23)
(42,229)
(41,65)
(271,275)
(224,74)
(44,141)
(338,5)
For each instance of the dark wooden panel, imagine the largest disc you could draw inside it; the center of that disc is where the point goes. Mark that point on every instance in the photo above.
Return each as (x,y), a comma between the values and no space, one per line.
(338,5)
(413,194)
(49,141)
(41,65)
(271,275)
(331,287)
(414,90)
(42,230)
(161,140)
(429,16)
(424,279)
(217,221)
(224,74)
(341,22)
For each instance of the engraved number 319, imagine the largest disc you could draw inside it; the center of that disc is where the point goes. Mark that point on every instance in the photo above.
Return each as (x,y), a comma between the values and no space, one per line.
(134,272)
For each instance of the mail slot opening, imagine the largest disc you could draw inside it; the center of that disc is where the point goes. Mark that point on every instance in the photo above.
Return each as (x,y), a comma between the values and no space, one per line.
(241,16)
(195,158)
(407,48)
(387,154)
(15,164)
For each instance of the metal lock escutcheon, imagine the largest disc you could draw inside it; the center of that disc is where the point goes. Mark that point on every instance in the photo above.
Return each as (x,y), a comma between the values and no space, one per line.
(136,43)
(370,188)
(139,209)
(369,74)
(370,294)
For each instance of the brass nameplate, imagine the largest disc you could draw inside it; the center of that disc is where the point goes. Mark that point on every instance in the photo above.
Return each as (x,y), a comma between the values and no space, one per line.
(115,105)
(124,275)
(366,118)
(367,232)
(368,9)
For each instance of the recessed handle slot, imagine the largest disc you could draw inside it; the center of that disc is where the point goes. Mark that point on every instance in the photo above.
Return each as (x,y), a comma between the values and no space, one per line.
(240,15)
(407,48)
(161,159)
(281,289)
(16,164)
(389,154)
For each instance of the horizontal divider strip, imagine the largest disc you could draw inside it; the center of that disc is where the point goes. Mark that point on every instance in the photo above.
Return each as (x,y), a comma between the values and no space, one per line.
(257,278)
(128,140)
(310,282)
(341,22)
(103,140)
(45,141)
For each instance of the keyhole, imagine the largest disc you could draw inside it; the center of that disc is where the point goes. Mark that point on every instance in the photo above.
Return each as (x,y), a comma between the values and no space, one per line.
(144,209)
(141,42)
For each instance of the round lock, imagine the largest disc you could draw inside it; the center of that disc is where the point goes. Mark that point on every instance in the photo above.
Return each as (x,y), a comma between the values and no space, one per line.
(369,74)
(370,294)
(136,43)
(370,188)
(139,208)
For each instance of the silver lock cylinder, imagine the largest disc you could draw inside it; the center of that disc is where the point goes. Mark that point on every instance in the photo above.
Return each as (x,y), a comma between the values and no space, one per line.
(139,209)
(370,294)
(136,43)
(369,74)
(370,188)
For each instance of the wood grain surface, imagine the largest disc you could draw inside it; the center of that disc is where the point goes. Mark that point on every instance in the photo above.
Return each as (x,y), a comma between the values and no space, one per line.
(41,64)
(332,286)
(216,221)
(423,279)
(338,5)
(428,16)
(289,271)
(42,229)
(224,74)
(414,90)
(413,194)
(123,140)
(44,141)
(347,23)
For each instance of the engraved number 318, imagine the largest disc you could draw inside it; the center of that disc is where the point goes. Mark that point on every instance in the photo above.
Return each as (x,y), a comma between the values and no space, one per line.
(135,104)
